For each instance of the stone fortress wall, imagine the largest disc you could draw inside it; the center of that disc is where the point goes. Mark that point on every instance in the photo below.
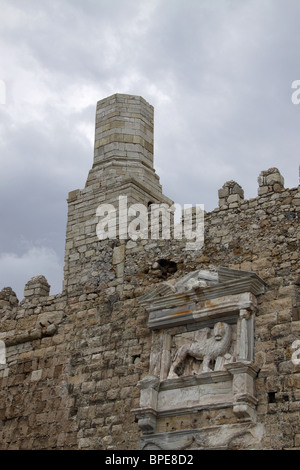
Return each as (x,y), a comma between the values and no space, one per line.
(84,369)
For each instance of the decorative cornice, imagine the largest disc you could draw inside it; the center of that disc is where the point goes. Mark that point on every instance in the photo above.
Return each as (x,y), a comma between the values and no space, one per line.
(201,295)
(194,380)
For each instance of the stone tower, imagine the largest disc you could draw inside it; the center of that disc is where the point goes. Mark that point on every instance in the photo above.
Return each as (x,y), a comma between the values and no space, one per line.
(123,155)
(123,166)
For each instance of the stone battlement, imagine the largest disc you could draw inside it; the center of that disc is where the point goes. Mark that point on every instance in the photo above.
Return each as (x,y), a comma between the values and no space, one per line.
(273,204)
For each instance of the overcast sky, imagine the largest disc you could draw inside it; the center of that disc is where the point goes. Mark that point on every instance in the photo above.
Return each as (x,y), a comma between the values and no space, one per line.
(219,74)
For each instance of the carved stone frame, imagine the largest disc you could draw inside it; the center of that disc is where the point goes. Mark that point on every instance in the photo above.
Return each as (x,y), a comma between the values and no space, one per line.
(225,295)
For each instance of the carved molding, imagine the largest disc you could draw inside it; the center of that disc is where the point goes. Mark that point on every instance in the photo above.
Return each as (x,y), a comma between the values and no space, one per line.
(202,295)
(214,437)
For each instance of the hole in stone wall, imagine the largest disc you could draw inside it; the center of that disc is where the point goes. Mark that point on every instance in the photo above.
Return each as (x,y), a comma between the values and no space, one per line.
(166,266)
(272,397)
(135,358)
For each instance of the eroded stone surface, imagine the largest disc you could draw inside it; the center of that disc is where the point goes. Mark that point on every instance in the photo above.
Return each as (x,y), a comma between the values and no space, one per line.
(73,385)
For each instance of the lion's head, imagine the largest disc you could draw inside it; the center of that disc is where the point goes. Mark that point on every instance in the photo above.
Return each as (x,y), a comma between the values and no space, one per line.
(220,330)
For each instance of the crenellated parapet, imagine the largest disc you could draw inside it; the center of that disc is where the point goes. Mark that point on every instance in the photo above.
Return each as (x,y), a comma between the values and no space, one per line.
(36,287)
(231,195)
(269,181)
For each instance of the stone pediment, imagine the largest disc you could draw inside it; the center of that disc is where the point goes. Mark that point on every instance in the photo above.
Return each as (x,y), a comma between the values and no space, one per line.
(201,295)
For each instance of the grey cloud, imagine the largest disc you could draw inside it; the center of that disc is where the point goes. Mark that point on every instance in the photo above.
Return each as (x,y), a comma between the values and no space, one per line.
(43,164)
(218,73)
(16,270)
